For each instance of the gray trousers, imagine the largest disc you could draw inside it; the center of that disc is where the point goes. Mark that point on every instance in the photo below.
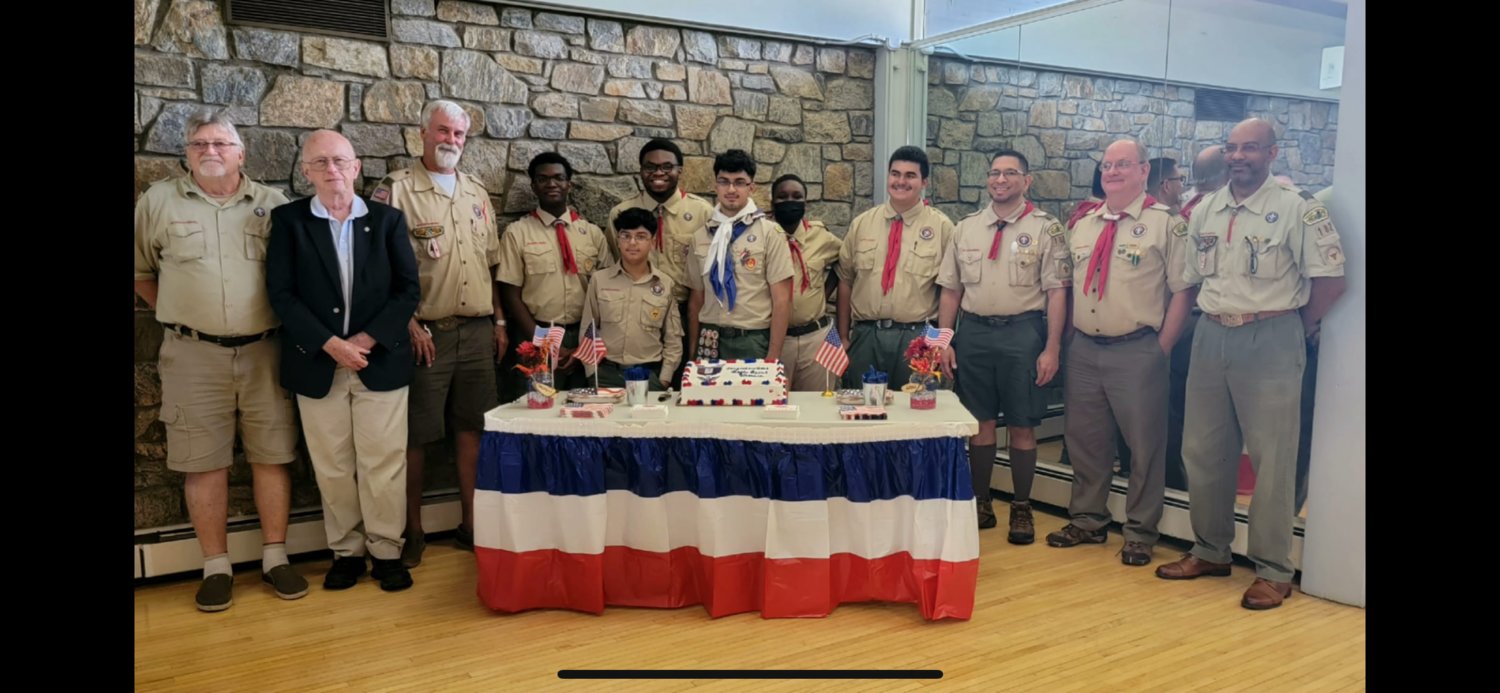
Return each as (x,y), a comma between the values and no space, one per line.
(1117,387)
(1243,392)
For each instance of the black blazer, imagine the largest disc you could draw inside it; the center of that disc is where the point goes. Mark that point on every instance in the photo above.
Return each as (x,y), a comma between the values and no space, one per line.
(302,277)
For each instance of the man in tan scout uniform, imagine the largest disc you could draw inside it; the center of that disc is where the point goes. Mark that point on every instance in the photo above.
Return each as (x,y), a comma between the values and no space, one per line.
(1008,264)
(200,261)
(740,272)
(815,251)
(1129,304)
(631,305)
(1271,265)
(458,330)
(677,213)
(547,258)
(888,268)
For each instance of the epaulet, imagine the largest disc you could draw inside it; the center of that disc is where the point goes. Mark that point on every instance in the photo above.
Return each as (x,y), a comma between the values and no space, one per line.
(1160,208)
(1306,195)
(691,196)
(1040,213)
(973,213)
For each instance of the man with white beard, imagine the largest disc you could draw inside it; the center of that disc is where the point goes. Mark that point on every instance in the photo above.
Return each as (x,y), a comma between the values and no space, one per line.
(458,332)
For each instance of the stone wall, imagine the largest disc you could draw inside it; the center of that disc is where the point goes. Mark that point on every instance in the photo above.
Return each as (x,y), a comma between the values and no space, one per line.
(592,89)
(1062,122)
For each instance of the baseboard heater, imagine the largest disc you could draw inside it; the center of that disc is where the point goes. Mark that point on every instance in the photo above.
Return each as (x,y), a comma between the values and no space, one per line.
(1053,487)
(161,551)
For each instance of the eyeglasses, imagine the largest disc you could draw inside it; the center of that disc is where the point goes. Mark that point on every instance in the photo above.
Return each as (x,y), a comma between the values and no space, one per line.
(1248,148)
(740,184)
(1122,165)
(1175,179)
(663,168)
(339,163)
(1008,173)
(634,237)
(200,145)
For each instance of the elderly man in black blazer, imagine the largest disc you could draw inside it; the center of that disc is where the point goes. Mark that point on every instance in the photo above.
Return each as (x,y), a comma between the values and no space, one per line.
(343,280)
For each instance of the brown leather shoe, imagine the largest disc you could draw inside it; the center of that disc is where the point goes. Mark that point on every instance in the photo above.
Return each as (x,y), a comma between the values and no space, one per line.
(1190,567)
(1265,594)
(987,518)
(1022,526)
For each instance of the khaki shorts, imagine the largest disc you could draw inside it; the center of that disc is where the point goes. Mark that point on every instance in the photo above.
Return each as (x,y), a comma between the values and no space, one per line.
(207,389)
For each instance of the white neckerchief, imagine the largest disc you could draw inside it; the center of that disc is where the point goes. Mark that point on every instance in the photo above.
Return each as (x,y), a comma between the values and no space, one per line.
(719,246)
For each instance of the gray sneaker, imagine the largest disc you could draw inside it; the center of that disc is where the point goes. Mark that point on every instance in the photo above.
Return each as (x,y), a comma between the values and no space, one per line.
(216,593)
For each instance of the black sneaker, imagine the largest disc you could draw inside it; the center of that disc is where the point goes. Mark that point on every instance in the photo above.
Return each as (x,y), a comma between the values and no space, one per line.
(1073,535)
(216,593)
(464,538)
(285,580)
(344,573)
(393,576)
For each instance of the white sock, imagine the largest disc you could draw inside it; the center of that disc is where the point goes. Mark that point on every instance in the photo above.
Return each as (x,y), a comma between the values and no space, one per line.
(272,555)
(217,565)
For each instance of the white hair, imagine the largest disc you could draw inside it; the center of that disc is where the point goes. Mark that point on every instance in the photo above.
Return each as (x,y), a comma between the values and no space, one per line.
(206,117)
(450,109)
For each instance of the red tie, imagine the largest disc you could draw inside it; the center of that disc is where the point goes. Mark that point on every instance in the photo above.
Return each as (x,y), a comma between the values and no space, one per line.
(1099,262)
(892,254)
(1000,230)
(796,249)
(661,226)
(563,246)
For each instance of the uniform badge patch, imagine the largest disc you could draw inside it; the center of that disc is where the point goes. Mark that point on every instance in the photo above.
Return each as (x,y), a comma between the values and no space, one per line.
(926,233)
(1271,217)
(1315,215)
(1138,231)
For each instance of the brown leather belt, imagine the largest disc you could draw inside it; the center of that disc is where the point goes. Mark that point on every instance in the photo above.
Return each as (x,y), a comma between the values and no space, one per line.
(1237,319)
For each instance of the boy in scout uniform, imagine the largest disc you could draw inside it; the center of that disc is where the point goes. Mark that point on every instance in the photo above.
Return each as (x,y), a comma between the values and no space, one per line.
(547,258)
(888,267)
(677,214)
(1009,262)
(632,306)
(1130,300)
(200,262)
(1271,265)
(815,251)
(458,331)
(739,273)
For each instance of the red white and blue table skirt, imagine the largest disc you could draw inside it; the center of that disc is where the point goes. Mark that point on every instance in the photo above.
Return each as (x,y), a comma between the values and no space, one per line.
(720,507)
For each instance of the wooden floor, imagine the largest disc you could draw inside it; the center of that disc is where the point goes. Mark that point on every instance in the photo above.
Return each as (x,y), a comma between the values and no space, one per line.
(1044,619)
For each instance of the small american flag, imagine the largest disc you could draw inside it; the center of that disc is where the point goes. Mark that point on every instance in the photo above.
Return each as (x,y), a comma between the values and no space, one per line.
(939,338)
(591,348)
(831,354)
(555,336)
(539,337)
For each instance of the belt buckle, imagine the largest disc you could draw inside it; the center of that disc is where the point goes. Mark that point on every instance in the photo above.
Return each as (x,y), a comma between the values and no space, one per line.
(446,324)
(885,324)
(1232,320)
